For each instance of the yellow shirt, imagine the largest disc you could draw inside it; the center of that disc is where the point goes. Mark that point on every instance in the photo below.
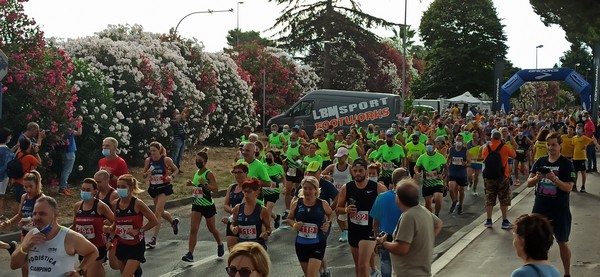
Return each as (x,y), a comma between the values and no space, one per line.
(580,142)
(566,147)
(541,150)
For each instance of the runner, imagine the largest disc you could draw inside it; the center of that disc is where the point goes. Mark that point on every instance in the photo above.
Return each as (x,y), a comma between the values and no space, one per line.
(89,215)
(476,162)
(341,173)
(129,227)
(522,151)
(234,196)
(312,156)
(580,142)
(414,149)
(566,147)
(294,156)
(156,171)
(458,162)
(390,156)
(356,199)
(277,175)
(311,218)
(276,140)
(112,163)
(203,205)
(431,166)
(539,147)
(250,217)
(354,147)
(325,147)
(105,192)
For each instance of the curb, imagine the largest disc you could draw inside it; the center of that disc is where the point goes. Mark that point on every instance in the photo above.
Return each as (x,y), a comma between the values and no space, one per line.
(16,236)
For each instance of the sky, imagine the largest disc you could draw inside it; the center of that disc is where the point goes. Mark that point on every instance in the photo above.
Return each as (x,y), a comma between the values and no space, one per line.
(81,18)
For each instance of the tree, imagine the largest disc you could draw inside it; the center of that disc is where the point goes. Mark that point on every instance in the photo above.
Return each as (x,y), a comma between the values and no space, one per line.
(580,19)
(235,35)
(463,39)
(577,57)
(306,27)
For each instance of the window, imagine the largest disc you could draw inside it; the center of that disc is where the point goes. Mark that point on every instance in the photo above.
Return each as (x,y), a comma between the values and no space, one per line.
(303,108)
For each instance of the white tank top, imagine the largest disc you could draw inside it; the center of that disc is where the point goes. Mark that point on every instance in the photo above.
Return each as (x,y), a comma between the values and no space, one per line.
(340,178)
(49,259)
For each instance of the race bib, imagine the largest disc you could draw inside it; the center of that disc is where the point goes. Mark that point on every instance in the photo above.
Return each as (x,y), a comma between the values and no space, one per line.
(431,175)
(156,179)
(388,166)
(247,232)
(86,230)
(121,231)
(291,172)
(520,151)
(309,231)
(457,160)
(360,218)
(197,192)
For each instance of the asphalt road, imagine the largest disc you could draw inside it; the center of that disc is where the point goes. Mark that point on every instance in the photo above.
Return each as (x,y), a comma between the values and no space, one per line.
(165,259)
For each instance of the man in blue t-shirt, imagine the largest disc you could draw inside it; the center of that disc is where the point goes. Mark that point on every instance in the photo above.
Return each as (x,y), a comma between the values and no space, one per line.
(553,177)
(68,157)
(386,213)
(179,135)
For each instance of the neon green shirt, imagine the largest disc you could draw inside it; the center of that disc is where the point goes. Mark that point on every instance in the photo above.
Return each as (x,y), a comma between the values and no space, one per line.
(432,169)
(414,151)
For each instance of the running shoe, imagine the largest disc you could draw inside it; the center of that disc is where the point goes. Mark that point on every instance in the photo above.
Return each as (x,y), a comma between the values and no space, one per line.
(151,243)
(285,215)
(475,193)
(469,187)
(65,192)
(582,189)
(175,226)
(459,209)
(452,207)
(375,273)
(574,188)
(277,221)
(344,236)
(138,272)
(506,224)
(13,247)
(517,182)
(220,250)
(326,273)
(188,257)
(488,223)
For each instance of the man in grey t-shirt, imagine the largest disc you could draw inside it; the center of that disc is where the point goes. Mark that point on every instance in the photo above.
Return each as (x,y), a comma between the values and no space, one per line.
(412,251)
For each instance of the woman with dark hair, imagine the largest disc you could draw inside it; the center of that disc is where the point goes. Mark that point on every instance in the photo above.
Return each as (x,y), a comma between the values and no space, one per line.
(234,196)
(532,238)
(270,194)
(251,221)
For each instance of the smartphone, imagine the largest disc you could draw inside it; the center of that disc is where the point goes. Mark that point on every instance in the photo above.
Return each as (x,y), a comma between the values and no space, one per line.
(381,234)
(351,201)
(46,229)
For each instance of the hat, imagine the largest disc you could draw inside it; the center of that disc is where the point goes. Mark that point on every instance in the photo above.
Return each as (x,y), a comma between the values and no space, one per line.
(415,136)
(342,151)
(440,139)
(389,133)
(496,135)
(313,166)
(360,162)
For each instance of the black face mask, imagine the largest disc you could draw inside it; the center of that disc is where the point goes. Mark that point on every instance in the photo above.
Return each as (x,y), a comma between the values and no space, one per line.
(199,164)
(269,160)
(389,142)
(256,154)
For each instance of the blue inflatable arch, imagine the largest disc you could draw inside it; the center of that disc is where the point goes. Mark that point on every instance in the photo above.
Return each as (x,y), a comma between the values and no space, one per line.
(541,75)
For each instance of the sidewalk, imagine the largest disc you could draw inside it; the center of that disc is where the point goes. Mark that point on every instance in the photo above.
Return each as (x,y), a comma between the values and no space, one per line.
(489,252)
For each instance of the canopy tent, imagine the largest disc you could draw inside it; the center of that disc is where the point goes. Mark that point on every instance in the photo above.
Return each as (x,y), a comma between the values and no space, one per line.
(465,98)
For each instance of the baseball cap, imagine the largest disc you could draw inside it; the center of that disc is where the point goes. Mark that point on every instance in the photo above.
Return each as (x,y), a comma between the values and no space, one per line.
(342,151)
(360,162)
(313,166)
(389,133)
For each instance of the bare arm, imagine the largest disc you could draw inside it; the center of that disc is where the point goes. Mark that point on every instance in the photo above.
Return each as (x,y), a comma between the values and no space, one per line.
(226,205)
(212,182)
(77,244)
(148,214)
(341,203)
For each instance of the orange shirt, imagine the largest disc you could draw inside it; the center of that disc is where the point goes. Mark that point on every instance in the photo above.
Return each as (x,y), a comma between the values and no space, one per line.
(29,162)
(505,153)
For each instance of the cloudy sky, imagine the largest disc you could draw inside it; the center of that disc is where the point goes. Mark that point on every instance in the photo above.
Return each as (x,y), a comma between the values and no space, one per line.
(79,18)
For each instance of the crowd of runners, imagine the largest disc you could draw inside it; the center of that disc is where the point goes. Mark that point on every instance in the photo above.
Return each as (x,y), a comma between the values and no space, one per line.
(332,178)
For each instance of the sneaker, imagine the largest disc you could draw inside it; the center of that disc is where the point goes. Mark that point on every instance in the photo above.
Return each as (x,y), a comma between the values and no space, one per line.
(344,236)
(452,207)
(151,243)
(475,193)
(277,221)
(188,257)
(138,272)
(285,215)
(517,182)
(582,189)
(375,273)
(488,223)
(459,209)
(175,226)
(13,247)
(220,250)
(326,273)
(469,187)
(65,192)
(506,224)
(574,188)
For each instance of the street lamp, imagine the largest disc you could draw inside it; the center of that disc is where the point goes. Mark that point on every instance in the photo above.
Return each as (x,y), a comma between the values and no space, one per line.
(404,52)
(576,65)
(207,11)
(237,42)
(586,73)
(536,54)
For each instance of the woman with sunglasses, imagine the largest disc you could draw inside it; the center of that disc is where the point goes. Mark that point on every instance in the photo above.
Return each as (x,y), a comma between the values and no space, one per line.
(250,218)
(234,197)
(88,220)
(311,218)
(129,227)
(248,259)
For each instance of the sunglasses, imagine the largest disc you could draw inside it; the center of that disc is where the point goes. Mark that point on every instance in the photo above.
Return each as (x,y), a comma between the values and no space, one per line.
(244,271)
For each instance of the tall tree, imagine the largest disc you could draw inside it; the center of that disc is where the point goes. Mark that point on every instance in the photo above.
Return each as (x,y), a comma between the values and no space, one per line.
(306,25)
(463,39)
(236,35)
(577,57)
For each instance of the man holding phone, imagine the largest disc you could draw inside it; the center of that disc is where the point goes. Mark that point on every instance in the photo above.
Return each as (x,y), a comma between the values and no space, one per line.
(553,176)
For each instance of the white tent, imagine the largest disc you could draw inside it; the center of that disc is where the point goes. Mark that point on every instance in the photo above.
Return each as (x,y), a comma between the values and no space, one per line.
(465,98)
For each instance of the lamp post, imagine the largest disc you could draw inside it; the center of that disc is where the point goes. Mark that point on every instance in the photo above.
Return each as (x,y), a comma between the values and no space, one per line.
(237,39)
(586,73)
(207,11)
(576,65)
(536,54)
(404,52)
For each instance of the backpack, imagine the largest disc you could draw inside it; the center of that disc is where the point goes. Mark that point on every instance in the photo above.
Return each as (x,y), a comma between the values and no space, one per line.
(494,168)
(14,168)
(5,157)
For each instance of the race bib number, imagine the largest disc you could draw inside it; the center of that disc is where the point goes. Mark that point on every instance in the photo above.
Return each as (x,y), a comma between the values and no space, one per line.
(360,218)
(309,231)
(197,192)
(121,231)
(291,172)
(388,166)
(520,151)
(156,179)
(247,232)
(431,175)
(457,160)
(86,230)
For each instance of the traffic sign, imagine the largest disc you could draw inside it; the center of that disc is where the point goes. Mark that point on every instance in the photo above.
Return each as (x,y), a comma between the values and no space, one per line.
(3,65)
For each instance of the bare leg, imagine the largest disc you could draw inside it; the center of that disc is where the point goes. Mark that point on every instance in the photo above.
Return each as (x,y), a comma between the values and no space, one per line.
(365,253)
(129,268)
(210,224)
(194,227)
(565,256)
(312,269)
(159,211)
(428,202)
(439,199)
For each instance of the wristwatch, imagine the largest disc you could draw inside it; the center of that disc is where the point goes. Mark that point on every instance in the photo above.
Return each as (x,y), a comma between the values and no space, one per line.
(80,271)
(141,230)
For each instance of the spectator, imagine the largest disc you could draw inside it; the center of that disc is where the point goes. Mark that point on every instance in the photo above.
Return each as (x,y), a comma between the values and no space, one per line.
(111,162)
(411,250)
(5,156)
(179,134)
(589,131)
(246,258)
(33,134)
(246,131)
(68,157)
(553,176)
(496,178)
(30,159)
(532,239)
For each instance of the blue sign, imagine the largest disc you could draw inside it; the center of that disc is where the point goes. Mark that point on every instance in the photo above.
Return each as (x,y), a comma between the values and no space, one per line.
(542,75)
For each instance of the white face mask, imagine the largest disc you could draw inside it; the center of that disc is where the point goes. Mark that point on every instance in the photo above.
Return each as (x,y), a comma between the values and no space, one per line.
(374,179)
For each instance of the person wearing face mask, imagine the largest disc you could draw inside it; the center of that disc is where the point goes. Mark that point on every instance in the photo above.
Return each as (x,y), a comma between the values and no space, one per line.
(330,134)
(523,144)
(325,147)
(277,175)
(458,162)
(431,167)
(285,132)
(276,139)
(89,216)
(111,162)
(566,147)
(414,149)
(390,157)
(580,143)
(203,184)
(259,153)
(129,227)
(293,169)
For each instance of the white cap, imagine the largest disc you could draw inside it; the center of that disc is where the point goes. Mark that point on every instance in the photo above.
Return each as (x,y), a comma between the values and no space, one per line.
(342,151)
